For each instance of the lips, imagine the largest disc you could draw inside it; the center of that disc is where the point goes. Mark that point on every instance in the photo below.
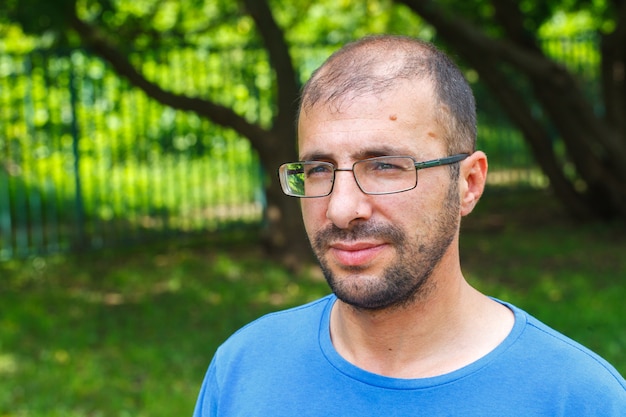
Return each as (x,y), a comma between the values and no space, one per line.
(355,254)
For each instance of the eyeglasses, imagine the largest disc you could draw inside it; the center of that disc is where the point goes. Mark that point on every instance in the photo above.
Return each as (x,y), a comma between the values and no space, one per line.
(374,176)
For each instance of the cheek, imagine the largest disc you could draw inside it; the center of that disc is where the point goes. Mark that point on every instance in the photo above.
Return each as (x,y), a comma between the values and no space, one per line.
(405,213)
(415,209)
(313,213)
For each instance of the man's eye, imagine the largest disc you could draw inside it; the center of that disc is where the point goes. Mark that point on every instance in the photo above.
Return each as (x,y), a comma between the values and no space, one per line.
(384,166)
(319,170)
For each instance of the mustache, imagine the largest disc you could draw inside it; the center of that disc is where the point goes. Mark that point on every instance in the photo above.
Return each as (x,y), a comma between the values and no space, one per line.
(360,231)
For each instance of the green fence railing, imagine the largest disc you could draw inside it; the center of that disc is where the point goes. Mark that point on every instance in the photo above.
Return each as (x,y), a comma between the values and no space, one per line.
(87,161)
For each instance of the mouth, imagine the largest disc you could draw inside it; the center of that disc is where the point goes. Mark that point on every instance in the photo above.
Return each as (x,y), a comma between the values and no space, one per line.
(355,254)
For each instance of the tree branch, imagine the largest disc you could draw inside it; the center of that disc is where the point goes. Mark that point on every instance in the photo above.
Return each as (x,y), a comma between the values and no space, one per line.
(614,71)
(536,136)
(554,86)
(280,59)
(217,113)
(508,14)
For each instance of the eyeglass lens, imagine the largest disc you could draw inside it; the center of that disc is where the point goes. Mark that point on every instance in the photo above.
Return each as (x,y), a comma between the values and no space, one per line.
(382,175)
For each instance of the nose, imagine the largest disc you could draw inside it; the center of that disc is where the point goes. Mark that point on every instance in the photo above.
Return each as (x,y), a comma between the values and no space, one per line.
(347,203)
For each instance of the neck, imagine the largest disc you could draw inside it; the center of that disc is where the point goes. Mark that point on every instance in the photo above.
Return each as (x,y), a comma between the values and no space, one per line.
(446,329)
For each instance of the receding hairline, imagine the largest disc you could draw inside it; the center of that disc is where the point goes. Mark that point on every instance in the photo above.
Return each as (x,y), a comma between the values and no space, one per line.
(386,59)
(376,64)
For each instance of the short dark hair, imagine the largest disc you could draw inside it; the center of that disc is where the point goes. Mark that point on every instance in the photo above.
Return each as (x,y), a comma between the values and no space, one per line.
(373,64)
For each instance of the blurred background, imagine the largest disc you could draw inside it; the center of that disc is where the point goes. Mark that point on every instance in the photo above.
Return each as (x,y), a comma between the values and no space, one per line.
(141,220)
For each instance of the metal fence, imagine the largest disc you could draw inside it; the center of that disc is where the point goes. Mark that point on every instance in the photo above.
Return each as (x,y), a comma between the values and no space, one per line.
(87,161)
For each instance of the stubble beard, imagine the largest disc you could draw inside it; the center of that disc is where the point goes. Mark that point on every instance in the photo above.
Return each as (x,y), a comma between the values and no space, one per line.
(407,279)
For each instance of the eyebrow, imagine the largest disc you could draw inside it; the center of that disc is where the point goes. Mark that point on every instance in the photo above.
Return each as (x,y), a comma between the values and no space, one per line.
(357,155)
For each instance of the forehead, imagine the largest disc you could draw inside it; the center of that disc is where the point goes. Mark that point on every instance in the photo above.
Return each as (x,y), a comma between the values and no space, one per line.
(399,121)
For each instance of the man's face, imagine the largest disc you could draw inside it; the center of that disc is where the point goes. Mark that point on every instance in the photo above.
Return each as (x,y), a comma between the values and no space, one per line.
(378,251)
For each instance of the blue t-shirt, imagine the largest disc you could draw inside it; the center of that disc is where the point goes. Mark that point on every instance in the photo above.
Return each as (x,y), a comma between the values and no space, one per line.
(284,364)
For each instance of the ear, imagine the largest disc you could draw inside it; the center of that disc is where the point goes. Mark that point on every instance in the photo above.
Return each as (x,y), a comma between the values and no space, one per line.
(472,180)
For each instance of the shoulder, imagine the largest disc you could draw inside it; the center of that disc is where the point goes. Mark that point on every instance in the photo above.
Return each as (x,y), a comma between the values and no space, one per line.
(553,344)
(274,330)
(559,362)
(293,317)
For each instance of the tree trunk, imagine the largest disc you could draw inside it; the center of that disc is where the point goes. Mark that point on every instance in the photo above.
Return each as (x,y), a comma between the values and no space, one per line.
(284,237)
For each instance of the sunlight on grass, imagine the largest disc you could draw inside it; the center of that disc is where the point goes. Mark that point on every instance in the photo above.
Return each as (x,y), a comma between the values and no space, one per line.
(114,334)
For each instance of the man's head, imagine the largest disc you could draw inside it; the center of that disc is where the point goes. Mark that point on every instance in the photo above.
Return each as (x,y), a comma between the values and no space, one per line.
(374,64)
(393,97)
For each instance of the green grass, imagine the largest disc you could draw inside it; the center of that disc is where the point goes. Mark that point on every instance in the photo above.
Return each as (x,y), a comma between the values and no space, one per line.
(130,333)
(127,334)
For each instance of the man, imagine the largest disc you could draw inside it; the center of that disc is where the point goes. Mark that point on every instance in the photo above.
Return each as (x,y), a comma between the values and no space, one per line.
(387,133)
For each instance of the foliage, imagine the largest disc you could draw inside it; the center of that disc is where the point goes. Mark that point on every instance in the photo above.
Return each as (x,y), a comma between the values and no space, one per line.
(140,165)
(546,17)
(577,138)
(130,333)
(73,137)
(577,141)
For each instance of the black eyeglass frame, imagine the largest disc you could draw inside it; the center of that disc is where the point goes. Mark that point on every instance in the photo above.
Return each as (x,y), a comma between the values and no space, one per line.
(448,160)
